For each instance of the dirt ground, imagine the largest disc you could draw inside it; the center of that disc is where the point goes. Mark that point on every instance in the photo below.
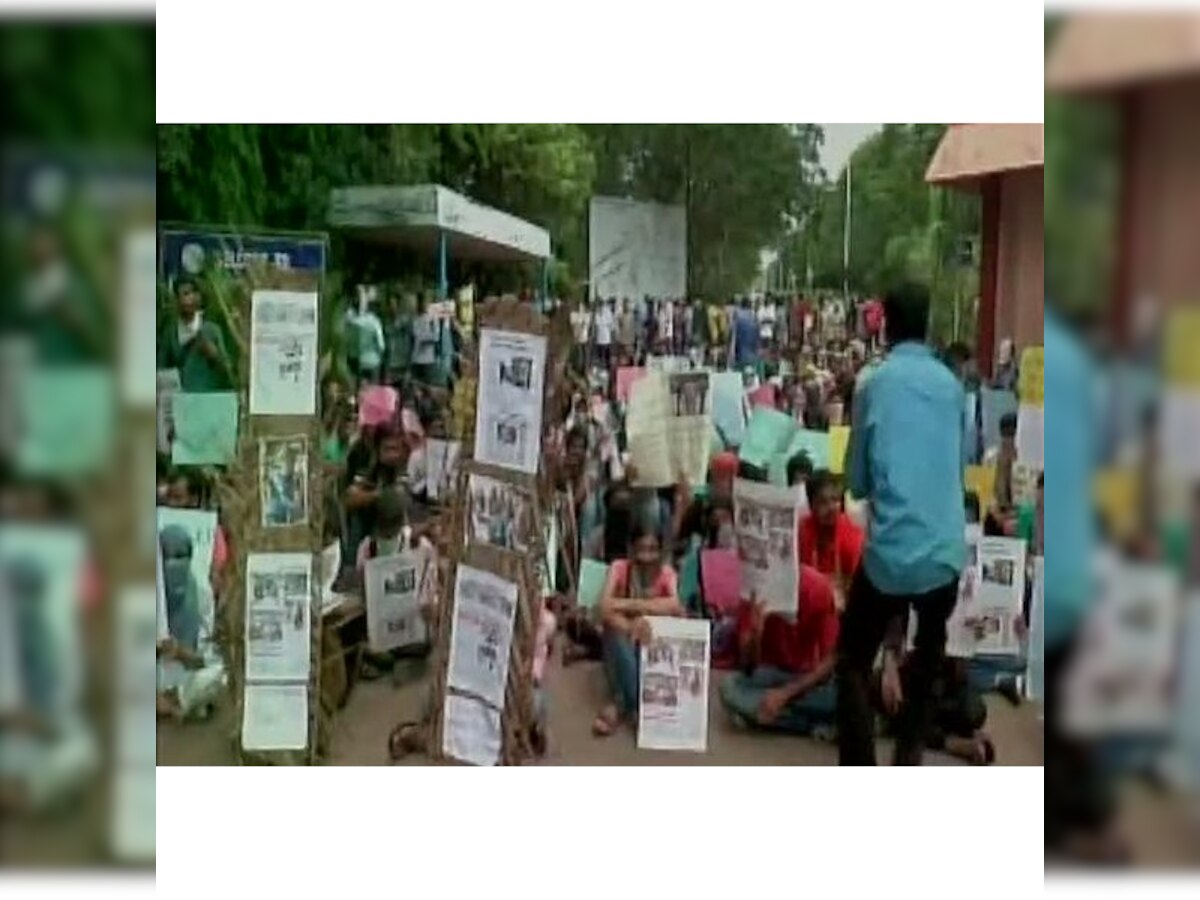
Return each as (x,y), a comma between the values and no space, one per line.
(1163,833)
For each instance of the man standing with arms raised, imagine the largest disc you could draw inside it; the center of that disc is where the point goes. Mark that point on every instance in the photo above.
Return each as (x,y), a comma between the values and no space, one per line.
(905,459)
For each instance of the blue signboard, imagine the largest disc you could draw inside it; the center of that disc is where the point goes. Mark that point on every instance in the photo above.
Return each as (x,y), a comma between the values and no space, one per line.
(190,253)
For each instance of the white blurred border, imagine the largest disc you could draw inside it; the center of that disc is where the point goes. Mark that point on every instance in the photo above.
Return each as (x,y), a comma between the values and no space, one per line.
(611,61)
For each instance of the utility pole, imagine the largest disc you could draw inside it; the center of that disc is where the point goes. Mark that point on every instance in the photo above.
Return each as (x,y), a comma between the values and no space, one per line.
(846,234)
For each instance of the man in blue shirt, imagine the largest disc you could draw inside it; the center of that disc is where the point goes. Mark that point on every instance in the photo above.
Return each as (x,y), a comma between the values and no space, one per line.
(905,459)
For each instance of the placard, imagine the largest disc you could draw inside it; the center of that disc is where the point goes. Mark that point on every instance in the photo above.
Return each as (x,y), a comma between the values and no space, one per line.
(485,608)
(393,595)
(283,353)
(765,520)
(673,685)
(278,616)
(508,422)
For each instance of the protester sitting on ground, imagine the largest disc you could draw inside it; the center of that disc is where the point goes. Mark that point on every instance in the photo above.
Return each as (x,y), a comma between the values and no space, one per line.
(188,488)
(641,585)
(959,716)
(787,664)
(367,477)
(828,541)
(691,519)
(1001,519)
(396,531)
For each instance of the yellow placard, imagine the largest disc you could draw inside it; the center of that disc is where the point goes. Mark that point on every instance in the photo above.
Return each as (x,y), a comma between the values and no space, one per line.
(839,442)
(1117,494)
(1032,387)
(1183,348)
(982,481)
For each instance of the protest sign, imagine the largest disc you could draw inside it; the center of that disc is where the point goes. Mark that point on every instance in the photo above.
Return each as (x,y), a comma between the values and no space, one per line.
(499,514)
(283,481)
(329,566)
(441,467)
(981,480)
(471,731)
(593,576)
(669,422)
(989,613)
(1035,673)
(393,596)
(765,520)
(278,624)
(1031,386)
(283,353)
(729,407)
(206,428)
(1121,680)
(767,436)
(720,577)
(275,717)
(377,405)
(673,684)
(67,417)
(815,443)
(485,607)
(839,443)
(508,422)
(627,377)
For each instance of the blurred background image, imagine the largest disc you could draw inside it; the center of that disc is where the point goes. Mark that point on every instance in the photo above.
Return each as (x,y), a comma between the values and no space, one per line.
(77,613)
(1122,602)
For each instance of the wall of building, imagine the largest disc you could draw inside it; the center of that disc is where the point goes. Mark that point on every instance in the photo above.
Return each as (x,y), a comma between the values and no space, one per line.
(1020,282)
(1163,245)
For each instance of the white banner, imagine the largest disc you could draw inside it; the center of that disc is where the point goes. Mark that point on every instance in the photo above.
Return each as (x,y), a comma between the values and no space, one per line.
(636,249)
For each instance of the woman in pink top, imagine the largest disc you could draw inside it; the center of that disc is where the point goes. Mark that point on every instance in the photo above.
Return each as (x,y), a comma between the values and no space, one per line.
(637,587)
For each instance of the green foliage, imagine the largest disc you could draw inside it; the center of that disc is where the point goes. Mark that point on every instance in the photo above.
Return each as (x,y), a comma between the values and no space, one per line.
(900,228)
(742,184)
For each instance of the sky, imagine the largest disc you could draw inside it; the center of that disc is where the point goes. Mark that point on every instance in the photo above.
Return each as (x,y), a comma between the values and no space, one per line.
(840,141)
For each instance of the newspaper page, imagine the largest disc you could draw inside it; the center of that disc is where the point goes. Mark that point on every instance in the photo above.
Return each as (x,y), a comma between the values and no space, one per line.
(673,714)
(329,567)
(393,593)
(1121,680)
(283,353)
(689,425)
(441,467)
(990,616)
(485,608)
(960,632)
(166,387)
(646,428)
(283,481)
(133,773)
(278,613)
(508,415)
(765,521)
(275,717)
(1035,674)
(471,730)
(499,514)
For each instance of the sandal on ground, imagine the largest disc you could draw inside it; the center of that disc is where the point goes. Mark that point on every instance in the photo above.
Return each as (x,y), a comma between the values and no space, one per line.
(606,723)
(985,752)
(400,741)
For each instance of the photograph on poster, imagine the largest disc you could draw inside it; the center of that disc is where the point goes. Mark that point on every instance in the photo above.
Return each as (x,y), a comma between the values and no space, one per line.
(283,481)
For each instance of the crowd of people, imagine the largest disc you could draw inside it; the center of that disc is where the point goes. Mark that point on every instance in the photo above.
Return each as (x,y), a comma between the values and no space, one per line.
(884,538)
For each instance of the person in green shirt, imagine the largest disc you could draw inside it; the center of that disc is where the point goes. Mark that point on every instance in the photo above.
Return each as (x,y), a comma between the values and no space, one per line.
(193,345)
